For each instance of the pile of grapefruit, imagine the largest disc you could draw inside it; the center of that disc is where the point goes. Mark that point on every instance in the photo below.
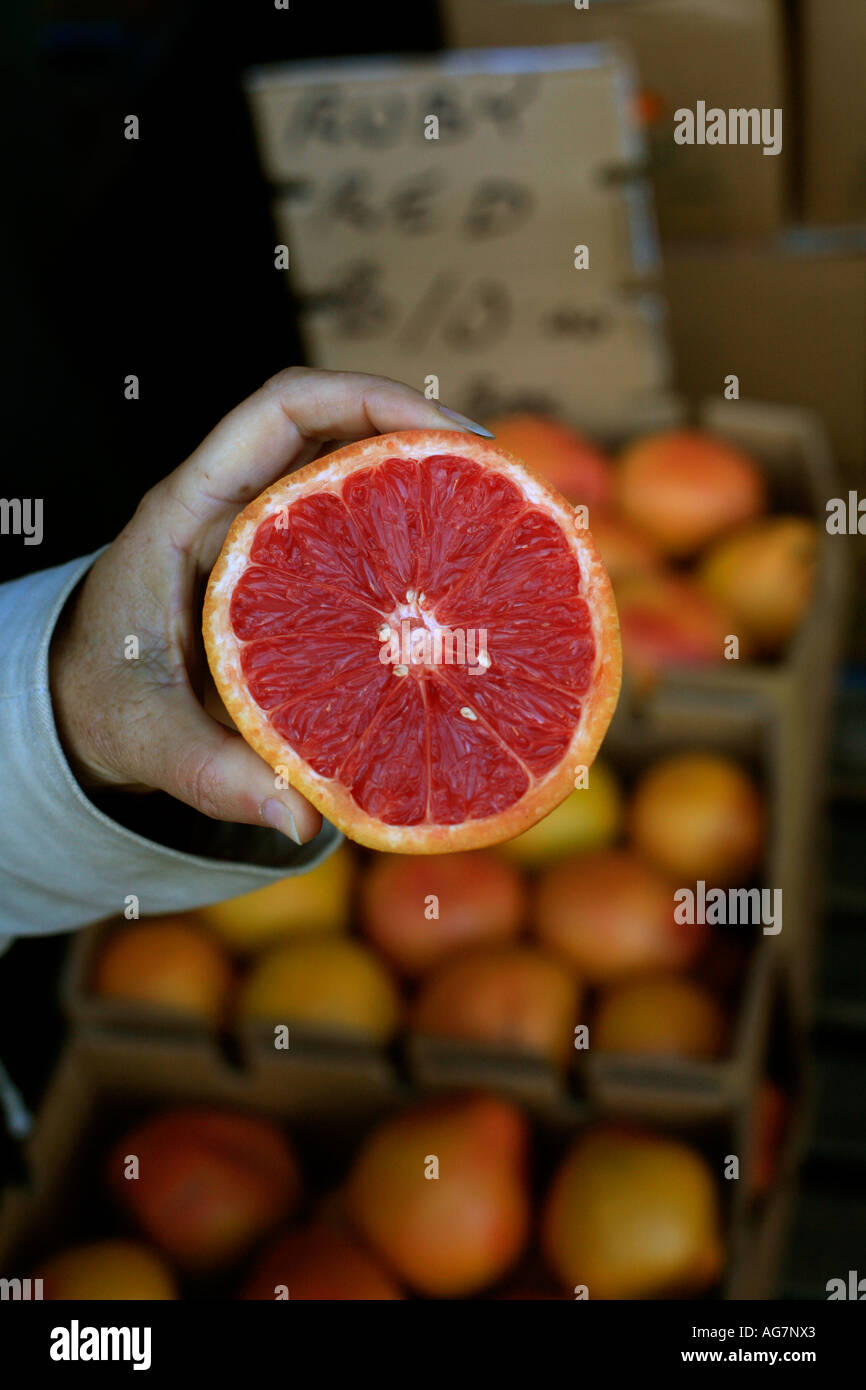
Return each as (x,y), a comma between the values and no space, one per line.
(572,923)
(683,522)
(442,1199)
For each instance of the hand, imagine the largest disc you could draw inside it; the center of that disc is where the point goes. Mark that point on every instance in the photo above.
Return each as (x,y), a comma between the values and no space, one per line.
(140,724)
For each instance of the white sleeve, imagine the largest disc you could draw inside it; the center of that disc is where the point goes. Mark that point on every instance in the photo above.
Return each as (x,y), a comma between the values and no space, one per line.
(64,863)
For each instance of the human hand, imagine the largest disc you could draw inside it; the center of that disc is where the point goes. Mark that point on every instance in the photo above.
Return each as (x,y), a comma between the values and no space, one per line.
(140,724)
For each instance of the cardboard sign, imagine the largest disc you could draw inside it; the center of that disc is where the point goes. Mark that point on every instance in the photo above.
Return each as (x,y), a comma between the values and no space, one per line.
(433,212)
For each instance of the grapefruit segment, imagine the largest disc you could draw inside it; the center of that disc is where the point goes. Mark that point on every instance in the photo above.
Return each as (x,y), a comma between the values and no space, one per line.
(413,630)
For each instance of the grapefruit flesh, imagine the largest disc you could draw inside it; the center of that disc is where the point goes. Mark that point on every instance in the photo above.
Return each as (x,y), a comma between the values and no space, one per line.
(415,634)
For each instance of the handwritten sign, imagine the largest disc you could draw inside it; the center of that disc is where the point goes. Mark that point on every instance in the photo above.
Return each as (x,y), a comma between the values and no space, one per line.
(468,220)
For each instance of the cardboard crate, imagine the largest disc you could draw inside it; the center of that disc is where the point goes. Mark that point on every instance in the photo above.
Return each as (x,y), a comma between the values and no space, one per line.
(663,1088)
(792,697)
(102,1085)
(832,60)
(729,53)
(666,1088)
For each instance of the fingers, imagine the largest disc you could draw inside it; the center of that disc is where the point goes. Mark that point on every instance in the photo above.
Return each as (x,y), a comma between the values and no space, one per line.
(284,422)
(215,771)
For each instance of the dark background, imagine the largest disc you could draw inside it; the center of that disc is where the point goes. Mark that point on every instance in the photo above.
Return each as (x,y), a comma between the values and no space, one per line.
(152,257)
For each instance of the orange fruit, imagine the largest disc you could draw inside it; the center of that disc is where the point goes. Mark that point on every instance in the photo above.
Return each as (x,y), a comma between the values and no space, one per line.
(633,1215)
(624,550)
(325,983)
(317,900)
(564,458)
(666,620)
(415,633)
(452,1234)
(591,818)
(169,962)
(107,1269)
(210,1183)
(699,816)
(418,911)
(665,1014)
(764,575)
(320,1263)
(513,997)
(682,489)
(611,916)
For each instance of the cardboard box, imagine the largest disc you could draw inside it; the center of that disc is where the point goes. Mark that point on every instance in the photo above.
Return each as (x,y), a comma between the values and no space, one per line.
(789,319)
(103,1085)
(658,1088)
(728,53)
(833,60)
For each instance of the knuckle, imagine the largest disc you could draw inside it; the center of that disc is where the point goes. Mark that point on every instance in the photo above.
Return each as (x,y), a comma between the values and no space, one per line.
(202,784)
(284,378)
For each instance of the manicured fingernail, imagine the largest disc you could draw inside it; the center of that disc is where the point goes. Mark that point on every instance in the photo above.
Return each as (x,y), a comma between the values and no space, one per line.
(277,815)
(465,423)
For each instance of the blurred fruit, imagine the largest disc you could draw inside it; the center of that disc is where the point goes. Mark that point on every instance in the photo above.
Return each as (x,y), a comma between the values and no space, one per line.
(450,1235)
(210,1182)
(683,488)
(570,463)
(633,1215)
(590,818)
(668,621)
(612,916)
(769,1123)
(107,1269)
(321,1263)
(665,1014)
(699,816)
(624,550)
(764,575)
(417,910)
(325,983)
(514,997)
(314,901)
(170,962)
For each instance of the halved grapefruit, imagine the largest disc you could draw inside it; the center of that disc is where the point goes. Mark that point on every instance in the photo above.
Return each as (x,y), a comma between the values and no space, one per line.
(333,622)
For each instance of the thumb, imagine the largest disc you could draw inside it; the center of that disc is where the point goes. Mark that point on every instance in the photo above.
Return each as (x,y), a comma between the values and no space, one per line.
(212,769)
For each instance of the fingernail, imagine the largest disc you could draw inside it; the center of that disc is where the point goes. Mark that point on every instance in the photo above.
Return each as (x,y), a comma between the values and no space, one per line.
(277,815)
(464,422)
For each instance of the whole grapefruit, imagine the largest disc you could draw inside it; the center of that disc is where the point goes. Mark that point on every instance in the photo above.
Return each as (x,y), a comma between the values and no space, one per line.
(418,911)
(699,816)
(683,488)
(440,1192)
(633,1215)
(611,916)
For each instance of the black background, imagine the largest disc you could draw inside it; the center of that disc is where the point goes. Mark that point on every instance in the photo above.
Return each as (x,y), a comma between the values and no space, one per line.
(152,257)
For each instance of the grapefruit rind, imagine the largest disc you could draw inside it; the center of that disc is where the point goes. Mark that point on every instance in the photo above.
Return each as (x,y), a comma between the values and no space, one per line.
(328,795)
